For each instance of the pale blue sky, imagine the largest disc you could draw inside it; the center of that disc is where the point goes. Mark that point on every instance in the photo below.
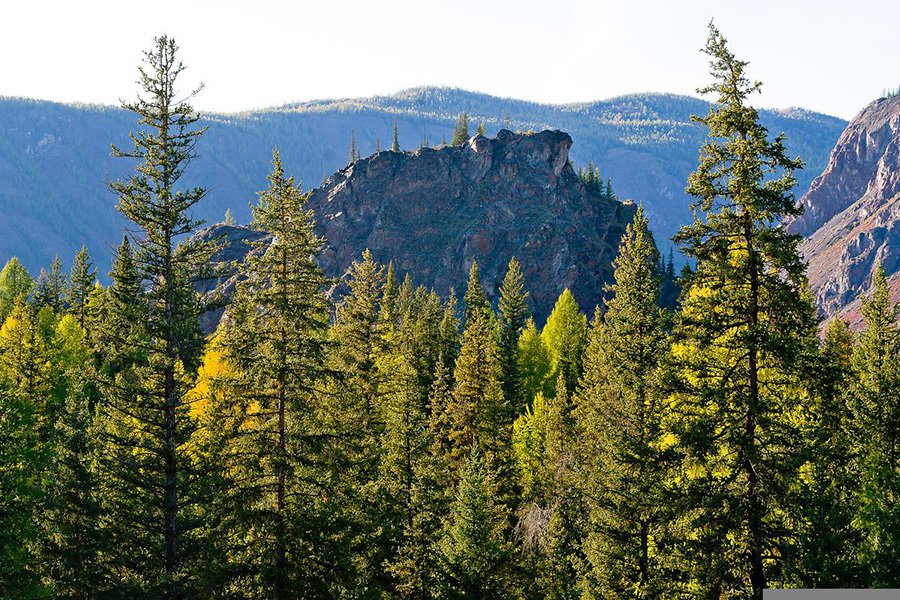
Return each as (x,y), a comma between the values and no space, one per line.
(827,55)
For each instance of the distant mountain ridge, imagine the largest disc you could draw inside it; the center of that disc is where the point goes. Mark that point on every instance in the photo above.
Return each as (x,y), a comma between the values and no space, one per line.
(54,158)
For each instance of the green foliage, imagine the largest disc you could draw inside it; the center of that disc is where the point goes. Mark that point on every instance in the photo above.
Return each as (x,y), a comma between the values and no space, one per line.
(147,423)
(15,286)
(82,279)
(475,299)
(746,332)
(474,552)
(276,339)
(620,409)
(875,406)
(395,143)
(50,288)
(461,131)
(513,315)
(535,363)
(564,335)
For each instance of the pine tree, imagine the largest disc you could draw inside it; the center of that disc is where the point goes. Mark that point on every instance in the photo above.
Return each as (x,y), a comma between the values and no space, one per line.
(473,551)
(745,332)
(513,315)
(25,421)
(229,218)
(82,279)
(151,479)
(876,410)
(71,548)
(827,551)
(461,131)
(475,299)
(50,288)
(395,144)
(619,418)
(354,153)
(564,335)
(15,286)
(275,337)
(480,130)
(411,482)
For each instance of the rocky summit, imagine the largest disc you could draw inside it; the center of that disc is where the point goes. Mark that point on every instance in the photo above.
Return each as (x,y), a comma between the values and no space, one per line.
(435,211)
(852,209)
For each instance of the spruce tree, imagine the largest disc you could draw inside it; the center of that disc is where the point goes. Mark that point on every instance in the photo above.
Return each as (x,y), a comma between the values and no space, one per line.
(474,554)
(153,480)
(875,406)
(461,131)
(353,151)
(513,315)
(395,144)
(276,339)
(479,414)
(50,288)
(82,279)
(475,299)
(619,420)
(480,130)
(745,331)
(826,553)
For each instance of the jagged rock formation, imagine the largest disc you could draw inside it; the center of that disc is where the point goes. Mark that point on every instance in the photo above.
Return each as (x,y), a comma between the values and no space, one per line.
(852,209)
(435,211)
(54,158)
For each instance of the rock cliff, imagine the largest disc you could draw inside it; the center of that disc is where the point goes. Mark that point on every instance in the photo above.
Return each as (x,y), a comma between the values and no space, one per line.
(852,209)
(435,211)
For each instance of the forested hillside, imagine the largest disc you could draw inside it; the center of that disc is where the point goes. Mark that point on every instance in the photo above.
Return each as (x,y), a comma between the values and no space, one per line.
(54,158)
(394,442)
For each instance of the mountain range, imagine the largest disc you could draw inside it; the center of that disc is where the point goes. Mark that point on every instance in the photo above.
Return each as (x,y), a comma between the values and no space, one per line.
(851,218)
(55,160)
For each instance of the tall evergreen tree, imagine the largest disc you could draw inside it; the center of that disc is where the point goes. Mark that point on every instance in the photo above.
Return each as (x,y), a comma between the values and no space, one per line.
(876,410)
(474,552)
(479,414)
(513,315)
(475,299)
(50,288)
(826,553)
(619,418)
(153,480)
(24,450)
(745,333)
(395,144)
(16,285)
(82,279)
(276,338)
(461,131)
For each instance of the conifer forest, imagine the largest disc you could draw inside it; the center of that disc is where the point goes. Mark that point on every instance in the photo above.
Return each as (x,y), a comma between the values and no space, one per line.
(701,434)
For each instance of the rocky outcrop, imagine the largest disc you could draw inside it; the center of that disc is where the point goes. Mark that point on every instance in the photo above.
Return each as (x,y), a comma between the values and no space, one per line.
(435,211)
(852,211)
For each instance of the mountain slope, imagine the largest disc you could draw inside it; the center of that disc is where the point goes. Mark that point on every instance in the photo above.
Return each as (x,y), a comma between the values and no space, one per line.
(435,211)
(54,158)
(852,210)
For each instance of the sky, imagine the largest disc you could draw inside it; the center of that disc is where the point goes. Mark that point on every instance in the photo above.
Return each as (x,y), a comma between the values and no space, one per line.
(831,56)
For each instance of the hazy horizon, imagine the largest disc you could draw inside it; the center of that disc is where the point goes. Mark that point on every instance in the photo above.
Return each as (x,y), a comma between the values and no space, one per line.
(577,51)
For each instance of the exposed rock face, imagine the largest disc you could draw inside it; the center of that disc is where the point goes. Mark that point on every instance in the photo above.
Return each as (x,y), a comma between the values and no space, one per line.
(853,209)
(435,211)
